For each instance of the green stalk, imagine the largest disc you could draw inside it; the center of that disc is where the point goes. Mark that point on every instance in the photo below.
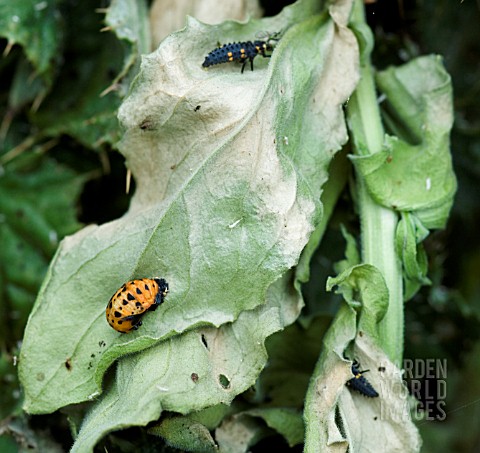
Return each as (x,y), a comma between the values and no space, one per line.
(378,224)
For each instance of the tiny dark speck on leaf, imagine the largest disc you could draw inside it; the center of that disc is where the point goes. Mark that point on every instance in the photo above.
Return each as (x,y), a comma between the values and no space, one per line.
(68,364)
(194,377)
(197,108)
(146,124)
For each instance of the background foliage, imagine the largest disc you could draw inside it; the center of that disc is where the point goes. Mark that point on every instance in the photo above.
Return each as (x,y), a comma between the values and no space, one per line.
(61,85)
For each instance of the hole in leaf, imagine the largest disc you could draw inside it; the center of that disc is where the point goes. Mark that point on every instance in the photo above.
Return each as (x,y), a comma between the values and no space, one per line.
(224,381)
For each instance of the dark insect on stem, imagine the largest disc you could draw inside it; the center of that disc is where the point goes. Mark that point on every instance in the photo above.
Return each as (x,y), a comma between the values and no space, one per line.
(360,384)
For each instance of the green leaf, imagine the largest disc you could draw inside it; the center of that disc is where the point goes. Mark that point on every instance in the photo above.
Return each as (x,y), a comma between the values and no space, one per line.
(37,208)
(415,176)
(408,241)
(189,372)
(287,422)
(85,113)
(25,86)
(352,254)
(228,192)
(212,416)
(129,20)
(363,287)
(37,27)
(185,434)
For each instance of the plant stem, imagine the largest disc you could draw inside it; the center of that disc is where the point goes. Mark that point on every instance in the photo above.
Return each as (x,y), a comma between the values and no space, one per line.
(378,224)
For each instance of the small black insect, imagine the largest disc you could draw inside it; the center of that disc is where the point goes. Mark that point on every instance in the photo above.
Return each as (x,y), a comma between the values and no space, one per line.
(240,52)
(360,384)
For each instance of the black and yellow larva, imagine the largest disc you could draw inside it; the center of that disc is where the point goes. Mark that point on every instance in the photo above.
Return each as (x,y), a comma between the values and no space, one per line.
(241,52)
(360,384)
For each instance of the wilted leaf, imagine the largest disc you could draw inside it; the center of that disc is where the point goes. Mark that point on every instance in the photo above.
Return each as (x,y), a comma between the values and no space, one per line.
(189,372)
(237,434)
(387,418)
(363,288)
(337,418)
(228,186)
(415,176)
(167,16)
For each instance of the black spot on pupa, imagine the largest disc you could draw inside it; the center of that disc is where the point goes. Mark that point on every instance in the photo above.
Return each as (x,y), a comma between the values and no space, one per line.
(147,288)
(110,304)
(139,291)
(130,296)
(125,302)
(117,314)
(138,304)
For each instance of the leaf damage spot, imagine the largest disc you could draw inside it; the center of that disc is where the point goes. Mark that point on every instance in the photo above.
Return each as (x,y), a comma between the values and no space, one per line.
(224,381)
(204,341)
(146,124)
